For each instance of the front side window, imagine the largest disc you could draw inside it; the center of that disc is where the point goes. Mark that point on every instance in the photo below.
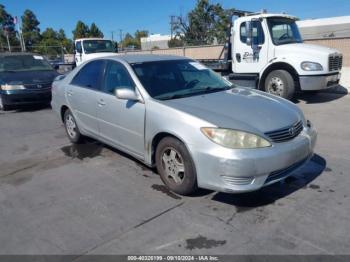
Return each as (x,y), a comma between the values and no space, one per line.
(89,76)
(98,46)
(172,79)
(283,31)
(78,47)
(20,63)
(116,77)
(258,37)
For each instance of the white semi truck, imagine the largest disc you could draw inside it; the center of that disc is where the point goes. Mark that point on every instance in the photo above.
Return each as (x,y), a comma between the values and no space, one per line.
(266,51)
(89,48)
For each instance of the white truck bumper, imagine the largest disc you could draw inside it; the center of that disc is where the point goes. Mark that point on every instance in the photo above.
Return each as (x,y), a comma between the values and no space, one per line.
(318,82)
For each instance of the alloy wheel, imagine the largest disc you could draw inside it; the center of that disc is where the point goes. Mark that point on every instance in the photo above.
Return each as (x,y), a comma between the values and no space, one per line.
(173,165)
(71,126)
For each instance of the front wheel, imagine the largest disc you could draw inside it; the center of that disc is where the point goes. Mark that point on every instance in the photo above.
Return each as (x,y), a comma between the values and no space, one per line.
(280,83)
(175,166)
(2,106)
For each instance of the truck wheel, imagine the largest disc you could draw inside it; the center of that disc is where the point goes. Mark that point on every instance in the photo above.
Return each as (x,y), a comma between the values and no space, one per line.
(175,166)
(72,128)
(280,83)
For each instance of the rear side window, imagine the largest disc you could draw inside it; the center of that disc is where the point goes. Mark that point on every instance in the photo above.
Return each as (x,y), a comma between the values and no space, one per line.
(90,75)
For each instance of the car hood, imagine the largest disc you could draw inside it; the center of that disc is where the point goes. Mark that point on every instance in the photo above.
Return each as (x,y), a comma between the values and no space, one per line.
(240,108)
(307,50)
(27,77)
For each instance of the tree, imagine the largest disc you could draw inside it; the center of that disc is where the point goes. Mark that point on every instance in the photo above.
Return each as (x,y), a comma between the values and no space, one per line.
(175,42)
(129,41)
(139,35)
(204,24)
(30,28)
(134,41)
(95,31)
(7,27)
(81,30)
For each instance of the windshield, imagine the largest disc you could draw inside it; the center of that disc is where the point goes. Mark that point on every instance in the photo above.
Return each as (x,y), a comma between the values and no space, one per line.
(178,78)
(18,63)
(283,30)
(98,46)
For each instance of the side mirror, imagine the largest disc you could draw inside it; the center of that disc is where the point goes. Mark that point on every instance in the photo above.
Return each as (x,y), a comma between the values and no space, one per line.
(249,30)
(127,94)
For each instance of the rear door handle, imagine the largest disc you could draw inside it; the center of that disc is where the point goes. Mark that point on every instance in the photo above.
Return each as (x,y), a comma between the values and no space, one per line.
(101,102)
(70,92)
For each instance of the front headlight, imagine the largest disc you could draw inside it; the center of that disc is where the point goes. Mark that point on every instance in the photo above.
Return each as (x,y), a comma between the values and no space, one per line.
(234,139)
(7,87)
(311,66)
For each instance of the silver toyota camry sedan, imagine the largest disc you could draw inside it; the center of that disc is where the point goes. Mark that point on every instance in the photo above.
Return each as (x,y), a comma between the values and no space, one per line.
(197,128)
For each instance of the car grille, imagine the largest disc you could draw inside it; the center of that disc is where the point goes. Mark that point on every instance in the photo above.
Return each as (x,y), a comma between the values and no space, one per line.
(335,62)
(38,86)
(283,173)
(286,134)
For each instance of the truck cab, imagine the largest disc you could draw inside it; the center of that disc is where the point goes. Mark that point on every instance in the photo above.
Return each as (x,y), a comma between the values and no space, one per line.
(268,50)
(89,48)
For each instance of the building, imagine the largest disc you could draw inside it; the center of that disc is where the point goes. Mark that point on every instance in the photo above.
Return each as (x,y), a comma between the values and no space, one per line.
(332,27)
(156,41)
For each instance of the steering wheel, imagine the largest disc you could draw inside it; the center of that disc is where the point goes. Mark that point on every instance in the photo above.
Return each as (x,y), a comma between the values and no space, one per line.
(192,83)
(284,36)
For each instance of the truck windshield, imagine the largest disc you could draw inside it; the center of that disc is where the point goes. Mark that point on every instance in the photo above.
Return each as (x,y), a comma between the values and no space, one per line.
(165,80)
(98,46)
(283,30)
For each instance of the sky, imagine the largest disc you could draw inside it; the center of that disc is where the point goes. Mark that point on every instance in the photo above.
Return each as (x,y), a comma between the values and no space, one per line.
(154,15)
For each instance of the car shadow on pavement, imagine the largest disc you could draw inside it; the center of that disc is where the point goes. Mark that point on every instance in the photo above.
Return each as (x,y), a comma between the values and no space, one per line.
(31,108)
(322,96)
(268,195)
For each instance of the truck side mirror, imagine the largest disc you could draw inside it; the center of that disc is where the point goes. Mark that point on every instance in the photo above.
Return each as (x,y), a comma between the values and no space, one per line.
(249,32)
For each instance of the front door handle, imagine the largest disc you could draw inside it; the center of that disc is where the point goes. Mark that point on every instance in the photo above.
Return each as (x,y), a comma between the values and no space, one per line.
(101,102)
(70,93)
(238,57)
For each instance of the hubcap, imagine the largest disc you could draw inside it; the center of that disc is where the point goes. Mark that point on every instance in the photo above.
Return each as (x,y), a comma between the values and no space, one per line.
(173,165)
(275,86)
(71,126)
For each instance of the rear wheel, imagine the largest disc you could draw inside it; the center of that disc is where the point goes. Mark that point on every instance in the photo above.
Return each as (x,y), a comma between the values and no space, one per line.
(175,166)
(72,128)
(280,83)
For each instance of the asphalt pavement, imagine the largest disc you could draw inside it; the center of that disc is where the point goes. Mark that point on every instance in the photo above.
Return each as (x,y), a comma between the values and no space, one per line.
(56,198)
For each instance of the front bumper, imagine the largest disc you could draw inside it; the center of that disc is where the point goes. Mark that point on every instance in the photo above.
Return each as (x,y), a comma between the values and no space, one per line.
(25,97)
(238,171)
(319,82)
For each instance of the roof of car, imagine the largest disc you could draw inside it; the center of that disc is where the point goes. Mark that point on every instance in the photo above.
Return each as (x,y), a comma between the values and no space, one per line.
(148,58)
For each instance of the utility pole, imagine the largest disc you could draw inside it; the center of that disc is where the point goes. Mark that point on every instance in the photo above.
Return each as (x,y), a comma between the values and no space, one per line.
(172,23)
(121,38)
(112,34)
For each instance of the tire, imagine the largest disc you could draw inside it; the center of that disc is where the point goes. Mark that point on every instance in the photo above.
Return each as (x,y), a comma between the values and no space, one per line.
(171,158)
(280,83)
(2,106)
(71,127)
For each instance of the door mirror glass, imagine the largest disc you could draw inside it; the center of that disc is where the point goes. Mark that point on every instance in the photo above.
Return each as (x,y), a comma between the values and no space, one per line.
(126,93)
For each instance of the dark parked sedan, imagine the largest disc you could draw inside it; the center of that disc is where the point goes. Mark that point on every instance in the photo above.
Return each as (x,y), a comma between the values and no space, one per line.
(25,79)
